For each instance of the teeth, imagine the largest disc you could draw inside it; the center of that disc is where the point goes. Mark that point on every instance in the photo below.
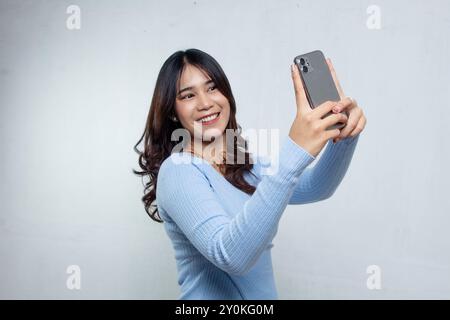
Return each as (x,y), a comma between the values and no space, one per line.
(210,118)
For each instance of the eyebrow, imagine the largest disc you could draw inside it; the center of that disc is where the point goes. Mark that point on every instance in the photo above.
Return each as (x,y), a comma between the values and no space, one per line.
(190,88)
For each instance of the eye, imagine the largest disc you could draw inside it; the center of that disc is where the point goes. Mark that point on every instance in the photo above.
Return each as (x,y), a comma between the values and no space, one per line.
(186,96)
(212,88)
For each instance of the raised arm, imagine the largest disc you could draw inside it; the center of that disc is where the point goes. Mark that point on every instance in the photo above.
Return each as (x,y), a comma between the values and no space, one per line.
(233,242)
(321,181)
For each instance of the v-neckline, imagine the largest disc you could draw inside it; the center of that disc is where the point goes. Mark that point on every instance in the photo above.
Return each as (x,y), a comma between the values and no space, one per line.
(205,162)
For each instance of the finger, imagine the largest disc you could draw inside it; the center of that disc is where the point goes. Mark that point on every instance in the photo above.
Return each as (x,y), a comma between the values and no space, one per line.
(323,109)
(335,78)
(300,95)
(359,127)
(353,120)
(333,119)
(331,134)
(343,104)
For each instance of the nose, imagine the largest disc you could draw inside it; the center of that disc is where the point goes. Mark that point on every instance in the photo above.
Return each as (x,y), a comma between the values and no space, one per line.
(205,102)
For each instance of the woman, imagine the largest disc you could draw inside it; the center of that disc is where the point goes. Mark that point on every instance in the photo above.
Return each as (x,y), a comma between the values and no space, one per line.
(222,216)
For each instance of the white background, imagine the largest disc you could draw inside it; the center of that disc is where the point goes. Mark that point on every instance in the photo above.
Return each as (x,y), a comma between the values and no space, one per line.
(74,102)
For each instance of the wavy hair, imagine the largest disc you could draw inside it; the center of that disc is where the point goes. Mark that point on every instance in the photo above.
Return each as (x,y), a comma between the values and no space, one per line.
(159,126)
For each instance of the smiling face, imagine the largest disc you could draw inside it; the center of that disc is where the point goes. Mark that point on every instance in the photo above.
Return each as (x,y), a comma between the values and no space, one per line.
(197,98)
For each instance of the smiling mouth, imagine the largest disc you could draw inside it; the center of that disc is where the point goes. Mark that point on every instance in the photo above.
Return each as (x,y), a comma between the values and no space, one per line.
(210,119)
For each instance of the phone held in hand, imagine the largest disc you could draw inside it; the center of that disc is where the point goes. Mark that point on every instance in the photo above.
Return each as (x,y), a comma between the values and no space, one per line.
(317,81)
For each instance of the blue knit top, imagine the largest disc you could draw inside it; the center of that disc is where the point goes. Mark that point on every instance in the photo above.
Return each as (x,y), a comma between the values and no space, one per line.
(222,236)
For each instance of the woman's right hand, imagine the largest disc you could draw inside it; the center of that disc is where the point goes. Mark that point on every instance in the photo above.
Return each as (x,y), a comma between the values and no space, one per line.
(309,130)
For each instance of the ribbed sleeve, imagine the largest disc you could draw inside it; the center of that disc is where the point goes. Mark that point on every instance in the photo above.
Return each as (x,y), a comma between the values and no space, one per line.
(231,242)
(321,181)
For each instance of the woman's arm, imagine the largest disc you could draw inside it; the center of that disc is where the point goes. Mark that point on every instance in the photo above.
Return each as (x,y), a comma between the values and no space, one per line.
(321,181)
(233,242)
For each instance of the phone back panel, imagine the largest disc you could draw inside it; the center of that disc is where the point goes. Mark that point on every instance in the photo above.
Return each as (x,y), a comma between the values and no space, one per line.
(317,80)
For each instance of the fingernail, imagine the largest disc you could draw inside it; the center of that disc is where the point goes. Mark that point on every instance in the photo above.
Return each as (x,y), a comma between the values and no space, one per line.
(336,109)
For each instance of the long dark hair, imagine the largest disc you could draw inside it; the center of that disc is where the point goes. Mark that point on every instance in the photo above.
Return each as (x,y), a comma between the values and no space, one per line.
(159,125)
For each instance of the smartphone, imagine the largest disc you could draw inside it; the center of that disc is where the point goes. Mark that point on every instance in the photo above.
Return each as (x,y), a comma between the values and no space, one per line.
(318,81)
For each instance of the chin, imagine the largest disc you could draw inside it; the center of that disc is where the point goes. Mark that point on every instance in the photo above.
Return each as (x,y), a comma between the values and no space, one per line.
(213,133)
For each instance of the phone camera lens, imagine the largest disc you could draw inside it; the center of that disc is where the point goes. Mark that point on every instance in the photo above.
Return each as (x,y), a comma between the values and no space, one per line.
(305,69)
(302,61)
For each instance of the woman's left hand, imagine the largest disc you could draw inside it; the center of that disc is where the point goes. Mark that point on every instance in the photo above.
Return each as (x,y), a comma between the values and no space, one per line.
(356,119)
